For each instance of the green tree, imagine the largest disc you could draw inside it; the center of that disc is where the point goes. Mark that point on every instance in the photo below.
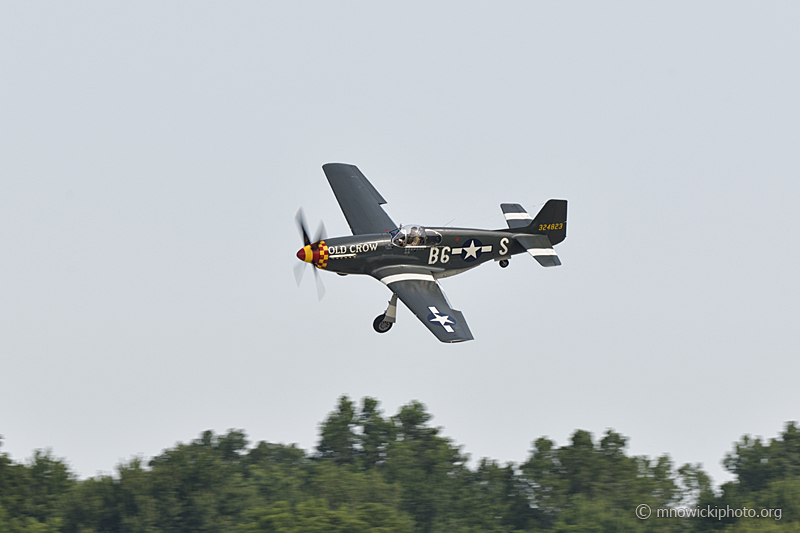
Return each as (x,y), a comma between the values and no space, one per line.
(587,484)
(315,516)
(767,477)
(338,438)
(429,468)
(376,433)
(756,464)
(278,473)
(31,495)
(200,486)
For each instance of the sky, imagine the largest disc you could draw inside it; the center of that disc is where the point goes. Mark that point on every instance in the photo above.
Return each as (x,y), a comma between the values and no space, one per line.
(153,156)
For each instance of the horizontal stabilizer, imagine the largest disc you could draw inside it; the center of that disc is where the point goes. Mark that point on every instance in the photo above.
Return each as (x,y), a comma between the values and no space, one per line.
(540,248)
(516,216)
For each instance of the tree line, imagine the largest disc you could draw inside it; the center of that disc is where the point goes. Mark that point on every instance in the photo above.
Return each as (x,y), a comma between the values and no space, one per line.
(398,474)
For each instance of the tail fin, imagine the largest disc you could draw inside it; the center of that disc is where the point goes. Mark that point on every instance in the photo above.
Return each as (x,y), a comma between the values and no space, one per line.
(538,235)
(550,221)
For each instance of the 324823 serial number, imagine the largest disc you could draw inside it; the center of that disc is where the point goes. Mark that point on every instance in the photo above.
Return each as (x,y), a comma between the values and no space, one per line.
(551,227)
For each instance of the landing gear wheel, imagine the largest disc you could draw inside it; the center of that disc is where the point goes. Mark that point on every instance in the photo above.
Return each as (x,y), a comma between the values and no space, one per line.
(380,325)
(503,263)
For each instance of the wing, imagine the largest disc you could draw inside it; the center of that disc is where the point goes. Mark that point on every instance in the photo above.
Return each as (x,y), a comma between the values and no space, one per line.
(360,202)
(421,293)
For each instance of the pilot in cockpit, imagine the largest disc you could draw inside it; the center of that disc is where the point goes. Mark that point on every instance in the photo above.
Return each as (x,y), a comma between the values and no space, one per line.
(415,236)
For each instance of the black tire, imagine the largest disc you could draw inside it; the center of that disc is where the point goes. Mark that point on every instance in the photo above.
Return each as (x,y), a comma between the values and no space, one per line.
(380,325)
(503,263)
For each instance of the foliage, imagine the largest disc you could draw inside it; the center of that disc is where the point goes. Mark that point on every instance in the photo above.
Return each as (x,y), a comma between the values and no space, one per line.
(31,494)
(376,474)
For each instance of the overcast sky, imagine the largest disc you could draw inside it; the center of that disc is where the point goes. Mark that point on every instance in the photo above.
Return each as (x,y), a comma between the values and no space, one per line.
(153,155)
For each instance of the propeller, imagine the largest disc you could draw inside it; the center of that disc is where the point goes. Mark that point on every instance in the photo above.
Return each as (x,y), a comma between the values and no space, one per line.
(300,220)
(299,269)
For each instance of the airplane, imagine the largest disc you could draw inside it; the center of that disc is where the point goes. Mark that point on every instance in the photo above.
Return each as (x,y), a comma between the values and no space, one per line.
(411,259)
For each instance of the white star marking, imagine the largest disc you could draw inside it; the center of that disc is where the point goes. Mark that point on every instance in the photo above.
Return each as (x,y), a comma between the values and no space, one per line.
(471,250)
(444,320)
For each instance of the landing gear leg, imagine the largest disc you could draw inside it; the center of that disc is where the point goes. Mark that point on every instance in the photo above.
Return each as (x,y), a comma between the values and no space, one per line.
(383,323)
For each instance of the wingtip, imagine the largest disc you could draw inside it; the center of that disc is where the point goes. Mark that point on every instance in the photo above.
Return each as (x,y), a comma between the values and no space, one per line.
(333,165)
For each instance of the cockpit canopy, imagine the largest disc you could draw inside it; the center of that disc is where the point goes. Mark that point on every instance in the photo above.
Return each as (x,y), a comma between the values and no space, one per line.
(415,236)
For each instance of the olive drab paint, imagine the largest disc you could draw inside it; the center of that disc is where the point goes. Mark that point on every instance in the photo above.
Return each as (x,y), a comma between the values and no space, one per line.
(410,259)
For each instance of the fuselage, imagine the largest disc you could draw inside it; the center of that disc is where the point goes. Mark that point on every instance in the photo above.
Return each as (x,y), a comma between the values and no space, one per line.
(448,251)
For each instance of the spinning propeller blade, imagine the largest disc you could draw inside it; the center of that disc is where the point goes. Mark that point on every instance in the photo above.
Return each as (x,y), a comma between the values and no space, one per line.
(300,220)
(320,286)
(321,233)
(299,270)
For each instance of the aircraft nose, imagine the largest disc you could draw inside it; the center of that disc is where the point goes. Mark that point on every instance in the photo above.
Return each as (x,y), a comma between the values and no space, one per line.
(304,254)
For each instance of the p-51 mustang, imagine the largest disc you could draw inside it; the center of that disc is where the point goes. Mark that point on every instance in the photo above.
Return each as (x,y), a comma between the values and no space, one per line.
(411,259)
